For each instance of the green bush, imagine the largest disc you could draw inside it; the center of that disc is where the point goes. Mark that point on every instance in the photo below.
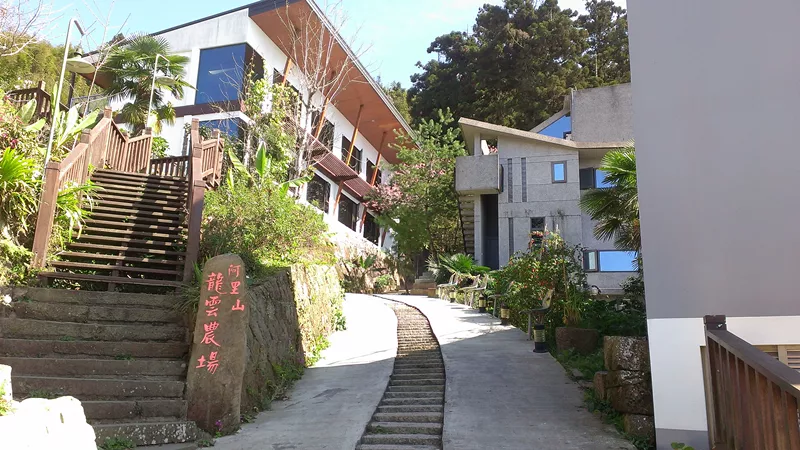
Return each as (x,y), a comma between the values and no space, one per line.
(265,226)
(160,147)
(383,282)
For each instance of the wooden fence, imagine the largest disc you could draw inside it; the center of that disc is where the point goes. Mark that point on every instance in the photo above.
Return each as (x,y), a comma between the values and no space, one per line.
(751,397)
(43,101)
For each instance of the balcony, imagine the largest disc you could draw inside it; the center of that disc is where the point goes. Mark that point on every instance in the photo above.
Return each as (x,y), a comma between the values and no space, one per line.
(476,175)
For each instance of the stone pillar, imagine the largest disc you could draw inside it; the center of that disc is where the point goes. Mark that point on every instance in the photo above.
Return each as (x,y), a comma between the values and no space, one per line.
(5,383)
(216,369)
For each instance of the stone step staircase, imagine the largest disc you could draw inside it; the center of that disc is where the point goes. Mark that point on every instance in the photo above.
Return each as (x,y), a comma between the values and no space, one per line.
(135,234)
(411,414)
(122,355)
(466,208)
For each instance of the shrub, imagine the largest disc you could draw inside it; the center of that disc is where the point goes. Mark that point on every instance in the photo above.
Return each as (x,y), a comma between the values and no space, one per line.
(160,147)
(265,226)
(383,282)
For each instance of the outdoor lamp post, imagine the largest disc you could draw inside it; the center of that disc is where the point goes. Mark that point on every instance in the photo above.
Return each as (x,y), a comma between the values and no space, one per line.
(162,80)
(452,294)
(481,303)
(539,340)
(57,97)
(505,314)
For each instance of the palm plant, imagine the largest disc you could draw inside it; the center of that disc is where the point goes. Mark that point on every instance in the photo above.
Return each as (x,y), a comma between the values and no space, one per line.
(18,192)
(131,68)
(616,208)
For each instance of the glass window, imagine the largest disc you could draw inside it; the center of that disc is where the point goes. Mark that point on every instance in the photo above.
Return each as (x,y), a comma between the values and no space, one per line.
(537,224)
(609,261)
(371,229)
(355,157)
(371,170)
(228,127)
(318,193)
(348,212)
(559,129)
(560,172)
(220,74)
(327,133)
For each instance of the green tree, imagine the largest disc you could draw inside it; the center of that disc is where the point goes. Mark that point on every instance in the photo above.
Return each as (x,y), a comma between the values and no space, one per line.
(607,57)
(131,68)
(399,97)
(420,202)
(38,61)
(616,207)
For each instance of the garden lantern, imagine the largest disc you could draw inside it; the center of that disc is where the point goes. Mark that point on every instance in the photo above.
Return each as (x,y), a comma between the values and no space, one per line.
(505,314)
(481,304)
(539,341)
(452,294)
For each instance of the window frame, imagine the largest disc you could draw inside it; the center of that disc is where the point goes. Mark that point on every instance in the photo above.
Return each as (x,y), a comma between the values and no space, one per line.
(326,192)
(250,60)
(553,171)
(344,199)
(587,254)
(370,219)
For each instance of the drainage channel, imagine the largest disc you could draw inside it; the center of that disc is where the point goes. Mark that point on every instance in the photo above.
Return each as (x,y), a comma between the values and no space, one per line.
(411,412)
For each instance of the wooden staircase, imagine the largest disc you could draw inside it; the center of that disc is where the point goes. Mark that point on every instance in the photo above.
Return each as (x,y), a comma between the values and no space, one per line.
(136,234)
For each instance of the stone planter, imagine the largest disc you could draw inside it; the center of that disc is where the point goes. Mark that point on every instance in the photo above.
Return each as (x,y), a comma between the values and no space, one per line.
(582,340)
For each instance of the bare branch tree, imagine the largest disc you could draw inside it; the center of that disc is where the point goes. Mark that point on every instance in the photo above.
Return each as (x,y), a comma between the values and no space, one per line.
(23,22)
(323,67)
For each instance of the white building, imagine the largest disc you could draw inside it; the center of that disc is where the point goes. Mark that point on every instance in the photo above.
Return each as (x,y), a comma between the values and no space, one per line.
(219,46)
(515,182)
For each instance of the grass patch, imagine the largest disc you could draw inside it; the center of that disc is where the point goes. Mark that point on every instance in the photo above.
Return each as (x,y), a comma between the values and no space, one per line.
(204,443)
(41,393)
(124,358)
(588,365)
(118,444)
(67,339)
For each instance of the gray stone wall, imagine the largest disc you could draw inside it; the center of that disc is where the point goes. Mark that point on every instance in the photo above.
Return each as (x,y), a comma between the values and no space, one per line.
(289,314)
(603,114)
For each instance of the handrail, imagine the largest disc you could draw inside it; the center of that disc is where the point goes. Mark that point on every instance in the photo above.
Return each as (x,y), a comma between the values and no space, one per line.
(170,166)
(752,398)
(38,93)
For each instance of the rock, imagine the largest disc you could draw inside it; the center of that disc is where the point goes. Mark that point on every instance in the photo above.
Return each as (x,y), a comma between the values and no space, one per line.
(629,392)
(599,384)
(216,368)
(582,340)
(38,423)
(585,384)
(626,353)
(577,374)
(640,426)
(290,312)
(5,383)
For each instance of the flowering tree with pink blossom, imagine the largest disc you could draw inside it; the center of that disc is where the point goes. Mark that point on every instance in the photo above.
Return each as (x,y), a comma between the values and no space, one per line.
(420,203)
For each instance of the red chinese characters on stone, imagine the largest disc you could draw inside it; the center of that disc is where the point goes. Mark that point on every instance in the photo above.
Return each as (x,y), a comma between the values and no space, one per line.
(234,271)
(214,282)
(235,287)
(238,306)
(210,328)
(211,364)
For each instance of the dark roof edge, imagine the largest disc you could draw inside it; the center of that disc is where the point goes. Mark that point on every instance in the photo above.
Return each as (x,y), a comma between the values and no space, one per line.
(254,8)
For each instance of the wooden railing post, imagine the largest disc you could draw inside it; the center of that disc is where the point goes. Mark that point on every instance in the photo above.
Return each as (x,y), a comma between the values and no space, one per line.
(86,138)
(714,381)
(100,160)
(196,194)
(47,212)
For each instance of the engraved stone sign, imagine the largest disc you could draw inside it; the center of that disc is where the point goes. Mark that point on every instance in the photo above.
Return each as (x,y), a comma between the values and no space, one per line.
(216,368)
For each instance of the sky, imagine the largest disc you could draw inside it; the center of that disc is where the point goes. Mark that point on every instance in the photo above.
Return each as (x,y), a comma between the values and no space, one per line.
(393,35)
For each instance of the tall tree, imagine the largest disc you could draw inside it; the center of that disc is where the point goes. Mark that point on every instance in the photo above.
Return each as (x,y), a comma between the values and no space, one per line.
(520,60)
(131,67)
(419,203)
(399,97)
(607,57)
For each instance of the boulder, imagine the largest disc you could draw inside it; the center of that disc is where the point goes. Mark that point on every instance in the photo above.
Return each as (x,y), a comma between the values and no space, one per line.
(629,392)
(582,340)
(599,383)
(640,426)
(626,353)
(38,423)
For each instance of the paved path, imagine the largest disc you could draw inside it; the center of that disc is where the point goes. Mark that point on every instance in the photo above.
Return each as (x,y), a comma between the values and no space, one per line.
(331,405)
(501,395)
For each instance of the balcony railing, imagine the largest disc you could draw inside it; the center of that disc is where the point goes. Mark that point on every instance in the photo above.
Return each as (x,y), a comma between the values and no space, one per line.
(751,397)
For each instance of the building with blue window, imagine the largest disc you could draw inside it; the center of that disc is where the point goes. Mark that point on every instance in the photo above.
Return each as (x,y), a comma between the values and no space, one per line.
(535,179)
(354,129)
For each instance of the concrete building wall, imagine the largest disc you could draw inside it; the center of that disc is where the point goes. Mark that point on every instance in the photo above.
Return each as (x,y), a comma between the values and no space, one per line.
(602,114)
(717,186)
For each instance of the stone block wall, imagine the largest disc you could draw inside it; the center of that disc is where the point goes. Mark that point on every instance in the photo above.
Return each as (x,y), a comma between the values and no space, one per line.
(290,313)
(626,383)
(349,251)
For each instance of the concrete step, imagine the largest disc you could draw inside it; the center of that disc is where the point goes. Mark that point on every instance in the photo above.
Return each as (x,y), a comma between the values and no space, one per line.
(427,364)
(96,388)
(94,368)
(134,409)
(410,408)
(422,388)
(402,439)
(49,330)
(148,433)
(412,417)
(96,298)
(413,374)
(404,428)
(413,400)
(418,382)
(416,394)
(69,312)
(92,349)
(396,447)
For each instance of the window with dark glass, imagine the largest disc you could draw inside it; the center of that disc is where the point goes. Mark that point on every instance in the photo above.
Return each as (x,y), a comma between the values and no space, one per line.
(371,229)
(221,72)
(326,133)
(371,170)
(592,178)
(537,227)
(231,128)
(318,193)
(348,212)
(355,157)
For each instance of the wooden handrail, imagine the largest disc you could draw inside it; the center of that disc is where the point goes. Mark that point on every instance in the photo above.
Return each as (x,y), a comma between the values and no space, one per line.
(751,398)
